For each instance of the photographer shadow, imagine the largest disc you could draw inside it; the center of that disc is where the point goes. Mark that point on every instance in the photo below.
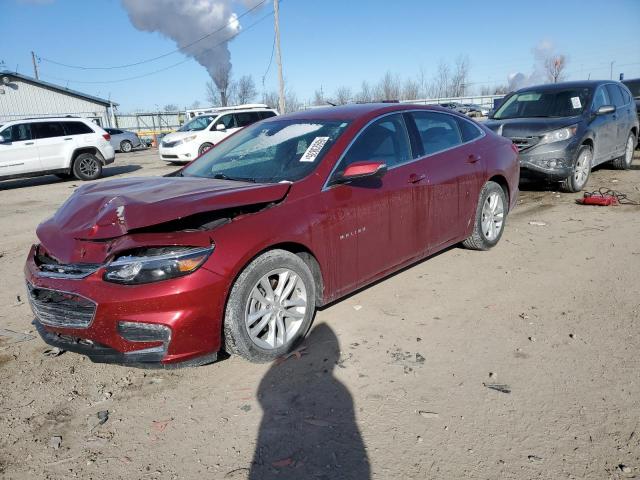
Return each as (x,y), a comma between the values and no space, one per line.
(308,428)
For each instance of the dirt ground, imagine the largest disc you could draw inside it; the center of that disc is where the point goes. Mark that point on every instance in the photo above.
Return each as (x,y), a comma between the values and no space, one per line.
(393,382)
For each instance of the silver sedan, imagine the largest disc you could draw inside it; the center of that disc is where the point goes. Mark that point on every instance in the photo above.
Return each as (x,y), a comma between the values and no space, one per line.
(123,140)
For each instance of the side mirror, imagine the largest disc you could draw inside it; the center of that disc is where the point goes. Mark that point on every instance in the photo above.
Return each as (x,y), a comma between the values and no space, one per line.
(220,127)
(359,170)
(604,109)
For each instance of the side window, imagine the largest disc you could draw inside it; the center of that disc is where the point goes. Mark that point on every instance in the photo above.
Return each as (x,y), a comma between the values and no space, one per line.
(18,133)
(229,121)
(601,98)
(615,95)
(76,128)
(468,130)
(626,96)
(48,129)
(247,118)
(385,141)
(264,115)
(438,131)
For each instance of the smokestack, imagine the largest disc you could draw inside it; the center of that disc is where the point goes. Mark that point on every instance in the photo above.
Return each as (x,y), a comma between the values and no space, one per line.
(185,21)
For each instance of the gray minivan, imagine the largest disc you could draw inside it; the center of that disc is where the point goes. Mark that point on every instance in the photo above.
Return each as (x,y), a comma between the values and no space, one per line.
(563,130)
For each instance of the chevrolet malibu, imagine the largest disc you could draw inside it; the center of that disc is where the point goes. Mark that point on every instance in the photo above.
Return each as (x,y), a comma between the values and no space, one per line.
(236,250)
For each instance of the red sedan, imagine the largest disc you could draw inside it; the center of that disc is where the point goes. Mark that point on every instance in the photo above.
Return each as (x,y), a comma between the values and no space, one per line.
(237,250)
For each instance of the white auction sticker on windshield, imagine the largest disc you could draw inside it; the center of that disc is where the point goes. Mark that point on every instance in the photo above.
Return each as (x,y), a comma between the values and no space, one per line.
(314,149)
(575,101)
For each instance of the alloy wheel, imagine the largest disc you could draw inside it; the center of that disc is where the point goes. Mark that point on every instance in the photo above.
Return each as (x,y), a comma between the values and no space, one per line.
(276,309)
(492,216)
(628,154)
(582,168)
(88,167)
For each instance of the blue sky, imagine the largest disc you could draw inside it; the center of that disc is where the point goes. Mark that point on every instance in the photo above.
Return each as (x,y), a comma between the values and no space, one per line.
(324,43)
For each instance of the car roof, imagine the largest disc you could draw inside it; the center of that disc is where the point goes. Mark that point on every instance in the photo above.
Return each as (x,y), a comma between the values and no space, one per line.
(565,85)
(51,119)
(356,111)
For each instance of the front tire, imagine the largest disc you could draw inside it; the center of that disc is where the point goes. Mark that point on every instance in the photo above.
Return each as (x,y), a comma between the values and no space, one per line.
(204,147)
(87,167)
(270,307)
(581,171)
(491,214)
(126,146)
(624,162)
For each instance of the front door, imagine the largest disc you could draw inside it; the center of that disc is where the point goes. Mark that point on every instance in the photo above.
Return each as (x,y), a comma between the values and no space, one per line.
(378,213)
(18,151)
(604,127)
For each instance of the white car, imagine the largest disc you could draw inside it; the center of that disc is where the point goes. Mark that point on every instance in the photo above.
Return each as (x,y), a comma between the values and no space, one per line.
(208,129)
(67,146)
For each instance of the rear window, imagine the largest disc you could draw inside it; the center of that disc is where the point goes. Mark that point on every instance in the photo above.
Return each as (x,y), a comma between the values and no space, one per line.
(438,131)
(264,115)
(468,130)
(76,128)
(615,95)
(247,118)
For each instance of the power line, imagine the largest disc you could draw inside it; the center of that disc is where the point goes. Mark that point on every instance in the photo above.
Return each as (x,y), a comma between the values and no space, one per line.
(180,49)
(100,82)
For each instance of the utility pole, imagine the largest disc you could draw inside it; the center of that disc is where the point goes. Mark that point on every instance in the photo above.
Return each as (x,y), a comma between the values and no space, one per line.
(276,16)
(35,65)
(611,71)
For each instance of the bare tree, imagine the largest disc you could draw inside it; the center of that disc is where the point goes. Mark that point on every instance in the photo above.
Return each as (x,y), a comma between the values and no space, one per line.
(171,107)
(441,81)
(318,97)
(245,89)
(222,78)
(196,104)
(364,95)
(458,84)
(410,90)
(292,104)
(554,67)
(342,95)
(212,95)
(389,87)
(271,99)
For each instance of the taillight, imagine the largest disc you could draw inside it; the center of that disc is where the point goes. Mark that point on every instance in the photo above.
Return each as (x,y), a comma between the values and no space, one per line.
(107,137)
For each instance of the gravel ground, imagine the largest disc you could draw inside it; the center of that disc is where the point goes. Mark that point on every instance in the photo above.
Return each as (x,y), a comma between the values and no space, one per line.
(521,362)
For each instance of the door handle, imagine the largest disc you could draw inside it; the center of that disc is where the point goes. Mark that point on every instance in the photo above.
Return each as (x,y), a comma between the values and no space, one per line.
(28,143)
(472,158)
(413,178)
(69,138)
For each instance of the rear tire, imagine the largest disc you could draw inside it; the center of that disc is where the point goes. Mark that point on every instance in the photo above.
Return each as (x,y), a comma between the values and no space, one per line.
(86,166)
(491,214)
(624,162)
(270,307)
(581,171)
(126,146)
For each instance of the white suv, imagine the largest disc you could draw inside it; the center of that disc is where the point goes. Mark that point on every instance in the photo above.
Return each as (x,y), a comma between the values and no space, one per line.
(204,131)
(66,147)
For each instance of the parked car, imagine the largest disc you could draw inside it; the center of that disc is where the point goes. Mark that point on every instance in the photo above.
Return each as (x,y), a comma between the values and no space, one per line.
(563,130)
(456,107)
(66,147)
(634,88)
(204,131)
(237,249)
(123,140)
(474,110)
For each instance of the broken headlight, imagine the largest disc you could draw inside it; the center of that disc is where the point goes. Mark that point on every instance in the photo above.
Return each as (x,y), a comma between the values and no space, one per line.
(156,264)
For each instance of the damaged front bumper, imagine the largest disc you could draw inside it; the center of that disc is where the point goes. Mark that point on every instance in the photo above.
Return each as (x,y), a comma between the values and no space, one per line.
(552,162)
(176,321)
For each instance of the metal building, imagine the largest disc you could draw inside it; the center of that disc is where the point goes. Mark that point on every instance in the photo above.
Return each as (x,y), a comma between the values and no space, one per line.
(26,97)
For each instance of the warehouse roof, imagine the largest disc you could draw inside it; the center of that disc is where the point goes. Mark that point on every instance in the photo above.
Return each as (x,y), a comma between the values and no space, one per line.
(52,86)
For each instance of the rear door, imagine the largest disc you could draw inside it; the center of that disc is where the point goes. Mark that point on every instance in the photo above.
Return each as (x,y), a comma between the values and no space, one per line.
(244,119)
(604,127)
(454,170)
(53,144)
(625,114)
(18,153)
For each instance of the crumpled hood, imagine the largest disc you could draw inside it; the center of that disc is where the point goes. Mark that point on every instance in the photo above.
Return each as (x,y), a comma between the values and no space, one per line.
(528,127)
(113,208)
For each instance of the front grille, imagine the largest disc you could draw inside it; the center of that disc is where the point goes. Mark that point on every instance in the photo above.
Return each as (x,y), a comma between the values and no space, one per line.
(170,144)
(60,309)
(50,268)
(169,156)
(524,143)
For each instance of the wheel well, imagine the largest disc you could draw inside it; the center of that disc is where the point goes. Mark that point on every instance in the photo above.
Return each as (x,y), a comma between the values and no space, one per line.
(307,257)
(589,142)
(635,133)
(500,180)
(91,150)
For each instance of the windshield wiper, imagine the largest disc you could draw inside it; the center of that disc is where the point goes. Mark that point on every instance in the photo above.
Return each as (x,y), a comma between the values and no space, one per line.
(222,176)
